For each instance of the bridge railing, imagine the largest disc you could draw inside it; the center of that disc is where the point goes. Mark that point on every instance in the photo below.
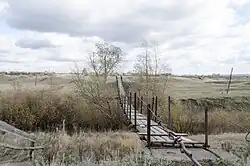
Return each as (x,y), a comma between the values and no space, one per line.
(126,104)
(7,128)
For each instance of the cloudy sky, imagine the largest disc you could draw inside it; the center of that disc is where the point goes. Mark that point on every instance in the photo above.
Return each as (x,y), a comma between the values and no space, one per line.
(193,36)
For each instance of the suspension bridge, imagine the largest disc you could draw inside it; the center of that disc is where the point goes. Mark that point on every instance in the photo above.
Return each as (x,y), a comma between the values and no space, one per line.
(143,118)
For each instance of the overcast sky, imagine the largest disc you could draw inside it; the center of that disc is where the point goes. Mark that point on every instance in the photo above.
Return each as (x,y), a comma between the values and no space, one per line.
(193,36)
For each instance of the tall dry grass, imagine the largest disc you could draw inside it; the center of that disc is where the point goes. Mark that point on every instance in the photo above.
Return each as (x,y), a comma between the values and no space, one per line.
(92,148)
(189,115)
(92,105)
(61,148)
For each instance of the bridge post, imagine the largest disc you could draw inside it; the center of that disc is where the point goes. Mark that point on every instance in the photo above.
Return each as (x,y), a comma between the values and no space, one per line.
(124,104)
(121,102)
(152,106)
(206,128)
(135,109)
(130,105)
(32,144)
(148,126)
(169,113)
(127,105)
(141,103)
(156,105)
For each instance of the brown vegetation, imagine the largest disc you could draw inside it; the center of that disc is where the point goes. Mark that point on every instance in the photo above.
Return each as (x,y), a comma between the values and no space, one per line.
(46,110)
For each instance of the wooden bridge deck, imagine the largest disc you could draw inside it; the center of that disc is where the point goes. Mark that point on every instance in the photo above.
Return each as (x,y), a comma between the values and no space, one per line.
(158,134)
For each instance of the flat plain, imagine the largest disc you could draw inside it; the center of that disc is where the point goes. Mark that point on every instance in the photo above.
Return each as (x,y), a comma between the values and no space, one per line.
(177,87)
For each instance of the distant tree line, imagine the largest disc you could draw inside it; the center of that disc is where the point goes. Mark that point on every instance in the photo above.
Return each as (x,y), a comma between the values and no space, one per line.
(26,73)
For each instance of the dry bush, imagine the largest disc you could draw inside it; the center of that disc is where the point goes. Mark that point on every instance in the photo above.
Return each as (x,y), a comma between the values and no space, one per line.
(45,110)
(193,121)
(61,148)
(93,104)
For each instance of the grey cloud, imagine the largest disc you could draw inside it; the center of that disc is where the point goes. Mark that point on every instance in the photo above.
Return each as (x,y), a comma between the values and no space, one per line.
(8,61)
(132,28)
(181,44)
(62,59)
(5,59)
(4,51)
(176,12)
(34,44)
(55,55)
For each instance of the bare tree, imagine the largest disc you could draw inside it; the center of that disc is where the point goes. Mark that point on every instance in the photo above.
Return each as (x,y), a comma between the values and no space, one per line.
(105,60)
(149,66)
(91,90)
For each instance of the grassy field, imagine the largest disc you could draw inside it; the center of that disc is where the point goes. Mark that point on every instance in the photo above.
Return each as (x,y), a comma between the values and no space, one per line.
(202,87)
(120,148)
(42,103)
(177,87)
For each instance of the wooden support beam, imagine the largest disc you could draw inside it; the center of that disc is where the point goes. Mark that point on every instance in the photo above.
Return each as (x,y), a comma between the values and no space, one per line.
(148,126)
(141,104)
(130,105)
(4,145)
(206,128)
(135,110)
(169,113)
(156,107)
(32,144)
(5,127)
(152,106)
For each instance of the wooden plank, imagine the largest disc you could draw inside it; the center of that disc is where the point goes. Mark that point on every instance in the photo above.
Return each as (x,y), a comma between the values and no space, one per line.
(154,134)
(185,140)
(159,129)
(144,130)
(164,135)
(158,139)
(137,113)
(153,139)
(20,148)
(14,131)
(141,122)
(139,117)
(145,122)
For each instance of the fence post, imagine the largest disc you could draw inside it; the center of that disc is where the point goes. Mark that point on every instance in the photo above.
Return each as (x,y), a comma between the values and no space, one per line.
(127,104)
(118,90)
(124,104)
(141,103)
(36,80)
(206,128)
(135,109)
(169,113)
(156,105)
(32,144)
(130,104)
(152,106)
(148,125)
